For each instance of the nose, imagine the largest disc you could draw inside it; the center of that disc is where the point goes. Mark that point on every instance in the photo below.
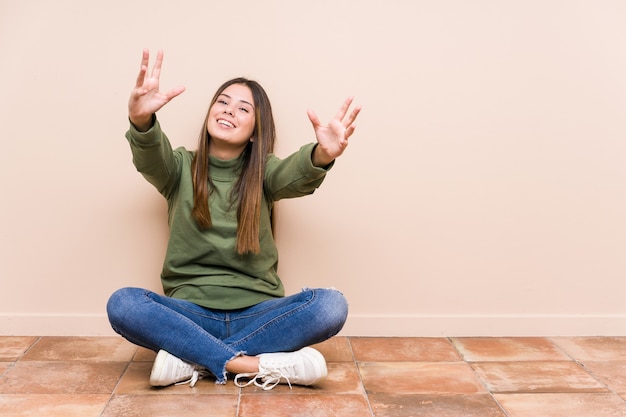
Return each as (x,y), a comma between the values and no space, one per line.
(228,110)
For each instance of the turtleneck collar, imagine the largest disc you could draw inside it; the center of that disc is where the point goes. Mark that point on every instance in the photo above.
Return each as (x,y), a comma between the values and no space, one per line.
(224,169)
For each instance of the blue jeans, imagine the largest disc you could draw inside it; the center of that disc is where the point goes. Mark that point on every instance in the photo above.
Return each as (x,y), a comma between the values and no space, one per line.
(211,338)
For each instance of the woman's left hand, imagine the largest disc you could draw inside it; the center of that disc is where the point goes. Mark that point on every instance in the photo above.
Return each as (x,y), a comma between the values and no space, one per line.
(333,139)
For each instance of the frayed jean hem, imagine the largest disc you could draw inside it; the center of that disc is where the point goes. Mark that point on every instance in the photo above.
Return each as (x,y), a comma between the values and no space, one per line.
(224,378)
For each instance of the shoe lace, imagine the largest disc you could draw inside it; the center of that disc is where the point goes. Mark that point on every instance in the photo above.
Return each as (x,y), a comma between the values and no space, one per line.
(268,378)
(196,375)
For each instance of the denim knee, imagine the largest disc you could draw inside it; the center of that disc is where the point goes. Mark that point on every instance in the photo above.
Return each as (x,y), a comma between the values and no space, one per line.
(333,309)
(120,302)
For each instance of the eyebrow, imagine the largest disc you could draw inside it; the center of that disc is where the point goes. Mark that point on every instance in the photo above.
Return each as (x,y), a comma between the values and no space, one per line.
(243,101)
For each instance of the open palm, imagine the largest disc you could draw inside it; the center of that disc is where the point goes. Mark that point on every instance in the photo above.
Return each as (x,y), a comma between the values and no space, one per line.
(146,98)
(333,138)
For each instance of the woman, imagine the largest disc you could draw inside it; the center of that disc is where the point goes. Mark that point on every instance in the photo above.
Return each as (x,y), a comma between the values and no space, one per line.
(224,309)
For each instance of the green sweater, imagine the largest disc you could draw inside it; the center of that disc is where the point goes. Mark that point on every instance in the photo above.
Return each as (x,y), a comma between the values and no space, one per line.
(202,266)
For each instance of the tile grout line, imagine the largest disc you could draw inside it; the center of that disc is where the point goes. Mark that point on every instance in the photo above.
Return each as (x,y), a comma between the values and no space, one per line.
(358,370)
(13,363)
(238,408)
(483,383)
(581,364)
(39,338)
(591,374)
(119,381)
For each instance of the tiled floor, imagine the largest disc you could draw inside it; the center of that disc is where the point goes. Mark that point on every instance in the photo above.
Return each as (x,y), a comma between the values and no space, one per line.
(382,377)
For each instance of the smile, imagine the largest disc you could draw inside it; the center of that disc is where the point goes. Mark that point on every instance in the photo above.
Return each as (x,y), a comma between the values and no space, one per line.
(225,123)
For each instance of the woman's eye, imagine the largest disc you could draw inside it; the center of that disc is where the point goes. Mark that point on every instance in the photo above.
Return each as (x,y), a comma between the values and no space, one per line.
(243,109)
(222,102)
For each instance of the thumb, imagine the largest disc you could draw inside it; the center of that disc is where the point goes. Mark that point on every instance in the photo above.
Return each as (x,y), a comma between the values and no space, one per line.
(174,92)
(315,121)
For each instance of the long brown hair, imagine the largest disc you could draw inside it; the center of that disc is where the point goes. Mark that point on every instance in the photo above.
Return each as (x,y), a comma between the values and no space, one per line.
(248,190)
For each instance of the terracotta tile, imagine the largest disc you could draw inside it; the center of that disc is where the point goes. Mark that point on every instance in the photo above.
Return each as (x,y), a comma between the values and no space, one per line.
(48,405)
(75,376)
(343,378)
(13,347)
(164,405)
(502,349)
(593,348)
(304,405)
(613,374)
(61,378)
(4,366)
(422,405)
(283,389)
(336,349)
(403,349)
(562,405)
(536,377)
(136,380)
(144,355)
(419,378)
(98,349)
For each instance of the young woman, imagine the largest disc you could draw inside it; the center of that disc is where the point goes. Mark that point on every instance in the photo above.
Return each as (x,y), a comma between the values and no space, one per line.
(224,310)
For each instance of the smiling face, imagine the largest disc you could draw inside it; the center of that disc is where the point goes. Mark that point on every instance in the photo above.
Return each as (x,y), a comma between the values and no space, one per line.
(231,122)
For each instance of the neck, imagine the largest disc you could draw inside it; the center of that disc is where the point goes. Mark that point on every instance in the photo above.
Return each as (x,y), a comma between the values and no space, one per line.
(225,152)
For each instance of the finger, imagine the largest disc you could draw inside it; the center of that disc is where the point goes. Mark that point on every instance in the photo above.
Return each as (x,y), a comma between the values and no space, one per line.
(344,108)
(156,69)
(315,121)
(349,132)
(353,116)
(174,92)
(141,77)
(145,57)
(143,69)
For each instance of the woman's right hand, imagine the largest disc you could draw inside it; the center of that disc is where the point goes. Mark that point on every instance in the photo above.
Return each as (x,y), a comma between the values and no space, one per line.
(146,99)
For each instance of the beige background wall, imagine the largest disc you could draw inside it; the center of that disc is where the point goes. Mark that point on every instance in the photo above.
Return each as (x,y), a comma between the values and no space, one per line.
(484,192)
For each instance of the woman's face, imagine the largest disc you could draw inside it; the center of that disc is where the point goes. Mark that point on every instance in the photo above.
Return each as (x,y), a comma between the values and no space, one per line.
(231,122)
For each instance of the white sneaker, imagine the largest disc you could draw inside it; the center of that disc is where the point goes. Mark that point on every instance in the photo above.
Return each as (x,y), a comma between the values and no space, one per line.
(168,370)
(303,367)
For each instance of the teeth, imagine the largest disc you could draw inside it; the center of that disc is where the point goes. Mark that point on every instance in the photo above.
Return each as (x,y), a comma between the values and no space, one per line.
(225,123)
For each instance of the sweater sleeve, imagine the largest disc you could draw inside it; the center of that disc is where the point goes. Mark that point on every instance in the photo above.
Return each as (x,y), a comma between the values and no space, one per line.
(154,158)
(294,176)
